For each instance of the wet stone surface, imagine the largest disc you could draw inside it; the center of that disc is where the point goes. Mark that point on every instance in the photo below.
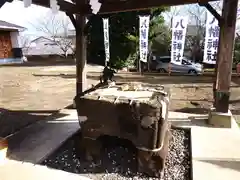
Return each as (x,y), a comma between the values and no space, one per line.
(118,160)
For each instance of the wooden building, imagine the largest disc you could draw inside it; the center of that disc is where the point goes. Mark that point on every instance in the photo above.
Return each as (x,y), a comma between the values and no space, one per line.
(9,43)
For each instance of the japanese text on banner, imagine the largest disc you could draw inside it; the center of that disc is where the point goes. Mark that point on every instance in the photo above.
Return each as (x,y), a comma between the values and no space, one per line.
(179,28)
(143,37)
(106,39)
(211,40)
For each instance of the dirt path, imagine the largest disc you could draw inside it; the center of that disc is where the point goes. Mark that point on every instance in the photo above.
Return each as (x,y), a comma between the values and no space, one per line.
(28,94)
(32,93)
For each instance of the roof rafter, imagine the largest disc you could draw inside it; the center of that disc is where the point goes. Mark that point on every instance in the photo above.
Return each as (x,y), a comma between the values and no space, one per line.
(116,6)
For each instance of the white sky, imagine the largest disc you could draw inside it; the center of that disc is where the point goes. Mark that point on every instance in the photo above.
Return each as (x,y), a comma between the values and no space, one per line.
(16,13)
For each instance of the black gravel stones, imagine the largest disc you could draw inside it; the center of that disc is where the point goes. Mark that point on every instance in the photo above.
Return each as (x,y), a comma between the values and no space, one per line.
(118,160)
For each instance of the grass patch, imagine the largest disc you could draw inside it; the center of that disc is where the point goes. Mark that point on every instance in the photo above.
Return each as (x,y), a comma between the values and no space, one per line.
(237,120)
(209,70)
(238,123)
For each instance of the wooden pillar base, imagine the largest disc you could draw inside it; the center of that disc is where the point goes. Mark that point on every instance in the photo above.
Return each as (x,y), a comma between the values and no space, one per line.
(220,120)
(222,101)
(214,96)
(225,55)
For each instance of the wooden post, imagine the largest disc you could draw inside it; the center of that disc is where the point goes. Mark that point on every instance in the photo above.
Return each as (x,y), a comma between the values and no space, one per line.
(225,54)
(215,75)
(139,66)
(81,54)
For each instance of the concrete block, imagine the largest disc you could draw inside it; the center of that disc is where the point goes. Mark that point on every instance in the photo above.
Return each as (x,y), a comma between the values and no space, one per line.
(215,170)
(220,120)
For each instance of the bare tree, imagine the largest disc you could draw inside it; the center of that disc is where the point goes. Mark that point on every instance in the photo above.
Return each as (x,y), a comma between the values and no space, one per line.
(196,30)
(56,28)
(198,17)
(24,41)
(217,5)
(174,11)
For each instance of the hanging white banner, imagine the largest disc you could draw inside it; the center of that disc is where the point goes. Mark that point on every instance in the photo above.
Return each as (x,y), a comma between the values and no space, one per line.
(143,37)
(211,40)
(238,11)
(106,38)
(179,29)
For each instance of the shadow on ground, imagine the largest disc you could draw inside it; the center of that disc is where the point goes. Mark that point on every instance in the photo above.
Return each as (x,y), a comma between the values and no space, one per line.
(151,79)
(159,79)
(31,142)
(67,76)
(13,121)
(142,79)
(42,63)
(194,110)
(118,158)
(229,164)
(236,80)
(190,121)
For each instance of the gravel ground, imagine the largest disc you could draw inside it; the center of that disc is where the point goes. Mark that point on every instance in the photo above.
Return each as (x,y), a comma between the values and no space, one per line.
(118,160)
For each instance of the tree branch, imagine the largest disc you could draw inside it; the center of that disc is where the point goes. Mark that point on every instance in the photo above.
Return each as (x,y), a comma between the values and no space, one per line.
(56,29)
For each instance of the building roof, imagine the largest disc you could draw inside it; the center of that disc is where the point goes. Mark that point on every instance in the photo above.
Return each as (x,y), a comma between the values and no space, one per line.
(10,27)
(42,38)
(44,50)
(44,46)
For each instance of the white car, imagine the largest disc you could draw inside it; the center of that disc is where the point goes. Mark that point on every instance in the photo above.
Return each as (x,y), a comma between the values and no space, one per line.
(187,67)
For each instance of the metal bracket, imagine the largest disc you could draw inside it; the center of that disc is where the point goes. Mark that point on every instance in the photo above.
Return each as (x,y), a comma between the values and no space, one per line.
(212,11)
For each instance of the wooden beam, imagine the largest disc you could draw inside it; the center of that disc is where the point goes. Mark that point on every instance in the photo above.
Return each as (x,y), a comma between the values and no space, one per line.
(81,54)
(73,20)
(212,11)
(220,19)
(225,54)
(133,5)
(65,6)
(115,6)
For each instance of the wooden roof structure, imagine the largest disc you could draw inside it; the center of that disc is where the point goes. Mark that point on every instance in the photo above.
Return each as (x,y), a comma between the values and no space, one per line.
(112,6)
(227,23)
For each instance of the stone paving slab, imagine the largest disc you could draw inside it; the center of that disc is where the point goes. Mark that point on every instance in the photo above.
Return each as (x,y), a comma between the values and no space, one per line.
(215,153)
(215,143)
(187,120)
(37,141)
(16,170)
(216,170)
